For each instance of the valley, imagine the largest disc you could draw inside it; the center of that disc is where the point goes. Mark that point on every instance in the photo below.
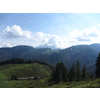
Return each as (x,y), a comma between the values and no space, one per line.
(39,63)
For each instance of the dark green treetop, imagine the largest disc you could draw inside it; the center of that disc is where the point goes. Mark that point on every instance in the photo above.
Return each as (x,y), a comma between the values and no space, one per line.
(72,73)
(97,71)
(78,71)
(84,73)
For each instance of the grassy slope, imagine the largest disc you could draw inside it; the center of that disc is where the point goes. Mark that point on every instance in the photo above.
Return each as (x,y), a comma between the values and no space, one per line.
(35,69)
(3,76)
(24,70)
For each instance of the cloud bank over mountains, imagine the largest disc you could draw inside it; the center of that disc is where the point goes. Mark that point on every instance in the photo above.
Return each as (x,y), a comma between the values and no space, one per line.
(15,35)
(86,36)
(15,32)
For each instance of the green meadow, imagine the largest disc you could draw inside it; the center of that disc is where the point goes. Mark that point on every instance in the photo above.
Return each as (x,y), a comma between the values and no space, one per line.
(24,70)
(37,70)
(43,83)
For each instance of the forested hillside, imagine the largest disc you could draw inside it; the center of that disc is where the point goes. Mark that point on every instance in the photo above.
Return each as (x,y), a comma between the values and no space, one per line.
(86,54)
(18,70)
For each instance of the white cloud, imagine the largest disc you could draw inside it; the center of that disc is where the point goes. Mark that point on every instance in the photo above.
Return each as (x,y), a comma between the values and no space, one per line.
(75,33)
(86,36)
(49,40)
(93,35)
(83,39)
(5,45)
(14,35)
(99,25)
(93,31)
(15,32)
(7,29)
(41,35)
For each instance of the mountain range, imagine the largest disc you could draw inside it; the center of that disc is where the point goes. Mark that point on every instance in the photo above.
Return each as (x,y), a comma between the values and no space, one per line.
(86,54)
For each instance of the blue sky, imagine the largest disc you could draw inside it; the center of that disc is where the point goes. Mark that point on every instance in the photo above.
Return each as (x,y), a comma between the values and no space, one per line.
(60,30)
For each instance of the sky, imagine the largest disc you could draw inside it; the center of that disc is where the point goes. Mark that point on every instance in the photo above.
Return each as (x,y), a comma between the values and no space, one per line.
(59,30)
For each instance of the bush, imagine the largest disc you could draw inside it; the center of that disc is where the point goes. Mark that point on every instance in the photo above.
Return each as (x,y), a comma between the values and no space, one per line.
(13,77)
(35,78)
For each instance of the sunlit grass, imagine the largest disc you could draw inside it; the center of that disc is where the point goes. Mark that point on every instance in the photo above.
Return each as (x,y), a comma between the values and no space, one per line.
(35,69)
(25,70)
(43,83)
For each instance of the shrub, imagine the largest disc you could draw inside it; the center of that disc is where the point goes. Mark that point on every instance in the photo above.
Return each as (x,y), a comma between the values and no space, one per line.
(13,77)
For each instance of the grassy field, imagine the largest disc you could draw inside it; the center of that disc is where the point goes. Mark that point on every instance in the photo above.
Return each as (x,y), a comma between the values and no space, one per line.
(3,77)
(94,83)
(43,83)
(24,70)
(35,69)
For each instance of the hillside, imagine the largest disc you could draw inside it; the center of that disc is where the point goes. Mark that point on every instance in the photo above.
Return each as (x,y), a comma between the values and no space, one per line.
(24,70)
(38,70)
(26,52)
(95,47)
(86,54)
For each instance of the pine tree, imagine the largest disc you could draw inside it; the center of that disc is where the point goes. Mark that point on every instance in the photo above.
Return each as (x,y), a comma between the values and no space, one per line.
(78,71)
(53,75)
(29,61)
(72,74)
(91,76)
(60,74)
(59,77)
(84,73)
(64,72)
(87,75)
(97,71)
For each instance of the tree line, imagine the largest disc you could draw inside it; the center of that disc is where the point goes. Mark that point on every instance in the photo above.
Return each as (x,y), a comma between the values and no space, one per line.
(23,61)
(97,71)
(61,73)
